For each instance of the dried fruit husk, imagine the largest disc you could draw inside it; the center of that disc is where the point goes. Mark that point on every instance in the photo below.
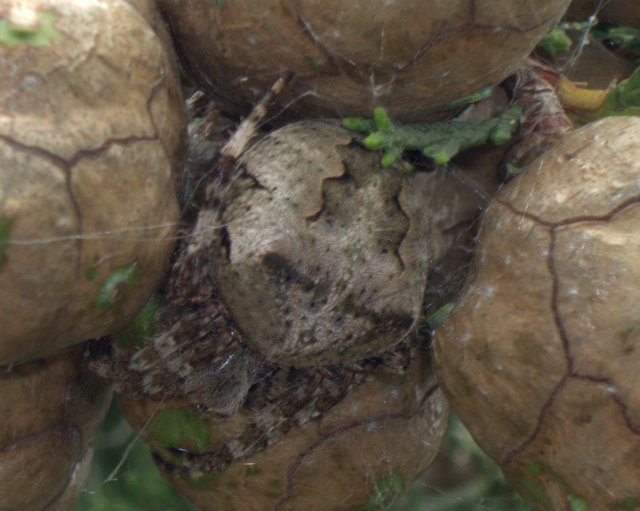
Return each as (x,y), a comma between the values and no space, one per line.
(539,359)
(51,409)
(386,430)
(90,137)
(349,57)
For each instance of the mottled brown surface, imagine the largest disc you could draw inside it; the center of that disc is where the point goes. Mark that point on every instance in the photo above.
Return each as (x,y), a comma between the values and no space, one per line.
(391,425)
(51,409)
(540,357)
(322,256)
(349,57)
(90,138)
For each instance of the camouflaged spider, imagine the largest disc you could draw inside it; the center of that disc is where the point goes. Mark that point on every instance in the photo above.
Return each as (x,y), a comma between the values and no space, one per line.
(182,360)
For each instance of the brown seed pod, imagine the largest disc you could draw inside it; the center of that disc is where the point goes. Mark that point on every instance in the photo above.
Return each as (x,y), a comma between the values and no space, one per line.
(322,254)
(539,359)
(621,12)
(51,409)
(349,57)
(367,444)
(90,136)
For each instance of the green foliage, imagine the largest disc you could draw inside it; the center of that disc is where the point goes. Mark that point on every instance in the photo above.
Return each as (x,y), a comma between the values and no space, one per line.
(623,99)
(622,39)
(42,35)
(5,228)
(576,503)
(440,141)
(174,428)
(556,42)
(474,97)
(142,327)
(117,286)
(436,318)
(385,493)
(137,486)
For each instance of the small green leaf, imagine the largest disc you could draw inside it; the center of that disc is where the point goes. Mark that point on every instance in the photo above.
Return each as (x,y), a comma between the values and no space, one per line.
(474,97)
(117,286)
(41,35)
(576,503)
(174,428)
(359,124)
(623,99)
(625,40)
(5,228)
(441,153)
(435,319)
(556,42)
(377,140)
(439,140)
(384,494)
(390,156)
(382,121)
(142,327)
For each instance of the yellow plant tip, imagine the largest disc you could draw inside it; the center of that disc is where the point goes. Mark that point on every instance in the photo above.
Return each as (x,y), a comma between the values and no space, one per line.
(578,98)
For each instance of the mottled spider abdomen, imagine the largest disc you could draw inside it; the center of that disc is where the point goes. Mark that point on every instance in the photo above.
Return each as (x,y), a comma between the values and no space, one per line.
(322,255)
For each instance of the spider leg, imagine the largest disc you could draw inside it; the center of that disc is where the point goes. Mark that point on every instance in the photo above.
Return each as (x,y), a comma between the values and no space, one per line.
(238,142)
(191,277)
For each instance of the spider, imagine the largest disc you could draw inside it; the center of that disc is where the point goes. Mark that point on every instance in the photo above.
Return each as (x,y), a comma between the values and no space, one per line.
(199,355)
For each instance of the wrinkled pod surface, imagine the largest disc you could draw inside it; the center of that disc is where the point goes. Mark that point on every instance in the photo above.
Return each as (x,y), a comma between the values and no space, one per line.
(539,358)
(350,57)
(91,127)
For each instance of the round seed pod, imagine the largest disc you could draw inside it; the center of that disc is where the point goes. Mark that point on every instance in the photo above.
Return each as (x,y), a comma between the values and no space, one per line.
(539,358)
(322,256)
(349,57)
(90,136)
(51,409)
(621,12)
(330,454)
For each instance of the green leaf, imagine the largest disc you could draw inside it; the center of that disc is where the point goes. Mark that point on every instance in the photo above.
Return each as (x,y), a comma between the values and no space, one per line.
(359,124)
(624,99)
(474,97)
(5,228)
(622,39)
(556,42)
(174,428)
(142,327)
(381,120)
(576,503)
(41,35)
(435,319)
(439,140)
(384,494)
(117,286)
(390,156)
(137,486)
